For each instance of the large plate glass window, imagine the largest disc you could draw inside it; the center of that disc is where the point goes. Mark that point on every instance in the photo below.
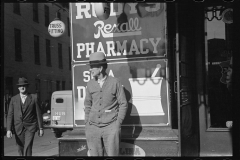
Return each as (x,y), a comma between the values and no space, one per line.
(218,41)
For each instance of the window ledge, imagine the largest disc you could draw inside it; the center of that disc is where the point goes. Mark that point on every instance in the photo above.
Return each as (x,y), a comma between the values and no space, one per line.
(218,129)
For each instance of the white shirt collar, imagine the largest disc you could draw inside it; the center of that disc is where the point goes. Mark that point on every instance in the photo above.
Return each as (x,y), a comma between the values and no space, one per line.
(23,96)
(102,80)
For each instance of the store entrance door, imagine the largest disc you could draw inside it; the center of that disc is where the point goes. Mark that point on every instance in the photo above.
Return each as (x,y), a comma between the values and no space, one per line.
(186,81)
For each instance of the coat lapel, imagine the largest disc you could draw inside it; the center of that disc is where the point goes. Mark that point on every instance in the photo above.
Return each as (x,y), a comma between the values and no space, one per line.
(19,102)
(28,101)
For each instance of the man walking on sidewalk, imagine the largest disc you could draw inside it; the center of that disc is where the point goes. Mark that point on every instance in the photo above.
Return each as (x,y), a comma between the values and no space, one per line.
(25,116)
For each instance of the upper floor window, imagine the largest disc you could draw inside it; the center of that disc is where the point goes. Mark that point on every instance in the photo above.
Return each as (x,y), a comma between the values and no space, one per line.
(18,46)
(46,14)
(60,61)
(35,12)
(48,53)
(36,49)
(16,8)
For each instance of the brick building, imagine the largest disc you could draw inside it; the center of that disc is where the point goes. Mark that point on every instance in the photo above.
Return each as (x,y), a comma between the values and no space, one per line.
(31,52)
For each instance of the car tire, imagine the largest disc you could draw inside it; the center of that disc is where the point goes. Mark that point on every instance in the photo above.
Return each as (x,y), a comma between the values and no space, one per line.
(58,134)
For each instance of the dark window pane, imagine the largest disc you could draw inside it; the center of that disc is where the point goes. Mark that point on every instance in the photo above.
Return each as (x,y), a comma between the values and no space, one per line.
(46,13)
(219,52)
(60,61)
(36,49)
(35,12)
(18,47)
(16,8)
(59,100)
(49,88)
(58,85)
(63,85)
(48,53)
(8,93)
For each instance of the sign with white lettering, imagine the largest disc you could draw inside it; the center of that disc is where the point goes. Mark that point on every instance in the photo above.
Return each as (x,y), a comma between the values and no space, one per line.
(145,85)
(56,28)
(128,149)
(102,10)
(133,30)
(133,38)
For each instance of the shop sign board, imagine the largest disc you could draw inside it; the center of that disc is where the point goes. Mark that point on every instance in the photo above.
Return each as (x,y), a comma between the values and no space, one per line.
(133,30)
(145,84)
(133,39)
(56,28)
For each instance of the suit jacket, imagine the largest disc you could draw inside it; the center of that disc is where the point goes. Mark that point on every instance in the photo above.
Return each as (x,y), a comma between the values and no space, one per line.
(28,115)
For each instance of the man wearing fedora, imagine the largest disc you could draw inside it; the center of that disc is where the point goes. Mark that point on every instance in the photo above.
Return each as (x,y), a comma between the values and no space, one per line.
(105,109)
(25,116)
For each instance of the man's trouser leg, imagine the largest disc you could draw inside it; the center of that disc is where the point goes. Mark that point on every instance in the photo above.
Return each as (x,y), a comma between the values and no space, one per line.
(25,142)
(20,143)
(29,136)
(111,139)
(93,135)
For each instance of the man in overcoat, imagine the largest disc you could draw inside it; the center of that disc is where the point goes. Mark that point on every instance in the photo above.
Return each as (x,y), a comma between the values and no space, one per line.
(25,116)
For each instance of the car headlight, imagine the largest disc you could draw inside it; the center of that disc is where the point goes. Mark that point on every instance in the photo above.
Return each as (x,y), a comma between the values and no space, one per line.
(45,117)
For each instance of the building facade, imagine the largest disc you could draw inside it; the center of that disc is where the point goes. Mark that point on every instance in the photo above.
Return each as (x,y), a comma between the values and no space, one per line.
(31,52)
(202,44)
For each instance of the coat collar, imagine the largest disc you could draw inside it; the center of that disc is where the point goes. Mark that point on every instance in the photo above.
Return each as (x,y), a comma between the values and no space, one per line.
(28,99)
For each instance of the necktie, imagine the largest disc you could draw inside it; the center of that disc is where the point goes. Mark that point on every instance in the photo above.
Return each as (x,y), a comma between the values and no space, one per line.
(24,98)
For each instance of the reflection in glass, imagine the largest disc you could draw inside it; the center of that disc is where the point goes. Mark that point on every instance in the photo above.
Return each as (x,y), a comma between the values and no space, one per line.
(218,55)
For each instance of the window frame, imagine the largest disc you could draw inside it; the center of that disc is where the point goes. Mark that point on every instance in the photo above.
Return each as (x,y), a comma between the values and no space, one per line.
(211,73)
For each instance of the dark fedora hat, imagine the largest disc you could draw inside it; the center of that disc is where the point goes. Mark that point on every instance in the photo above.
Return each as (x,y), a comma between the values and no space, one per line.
(97,58)
(22,81)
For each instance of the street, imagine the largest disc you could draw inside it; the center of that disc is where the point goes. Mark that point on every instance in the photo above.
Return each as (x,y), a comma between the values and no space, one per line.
(42,146)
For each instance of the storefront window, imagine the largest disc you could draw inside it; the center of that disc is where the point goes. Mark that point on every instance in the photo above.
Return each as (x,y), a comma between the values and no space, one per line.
(218,60)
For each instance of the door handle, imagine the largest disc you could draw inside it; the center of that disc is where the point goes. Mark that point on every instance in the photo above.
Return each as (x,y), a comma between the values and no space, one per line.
(175,86)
